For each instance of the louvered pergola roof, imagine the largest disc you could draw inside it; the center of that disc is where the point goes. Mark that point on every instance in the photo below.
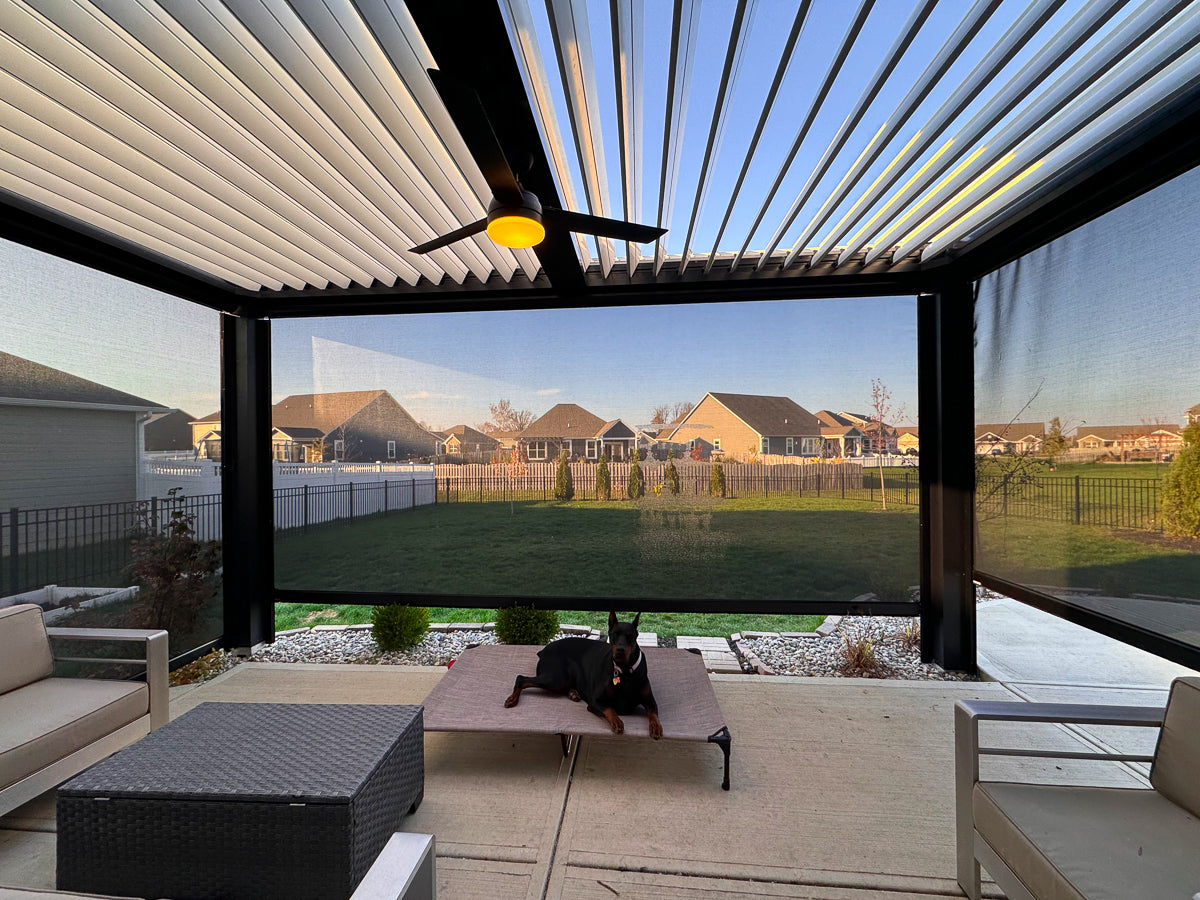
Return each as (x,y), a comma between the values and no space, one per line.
(280,157)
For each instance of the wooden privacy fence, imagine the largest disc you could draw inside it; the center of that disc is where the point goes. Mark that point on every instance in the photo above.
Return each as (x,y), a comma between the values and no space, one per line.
(490,483)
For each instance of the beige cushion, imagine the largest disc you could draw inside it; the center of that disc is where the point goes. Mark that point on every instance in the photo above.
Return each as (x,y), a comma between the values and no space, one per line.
(1091,843)
(54,717)
(1176,770)
(23,647)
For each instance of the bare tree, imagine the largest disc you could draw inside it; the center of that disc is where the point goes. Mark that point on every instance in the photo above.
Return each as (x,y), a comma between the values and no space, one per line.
(671,413)
(881,411)
(505,418)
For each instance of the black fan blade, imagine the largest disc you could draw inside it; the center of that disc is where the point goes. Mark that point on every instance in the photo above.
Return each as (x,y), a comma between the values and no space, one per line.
(471,120)
(457,235)
(601,227)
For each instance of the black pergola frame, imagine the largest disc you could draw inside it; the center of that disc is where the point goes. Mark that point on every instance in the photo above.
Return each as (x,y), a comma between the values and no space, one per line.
(1148,155)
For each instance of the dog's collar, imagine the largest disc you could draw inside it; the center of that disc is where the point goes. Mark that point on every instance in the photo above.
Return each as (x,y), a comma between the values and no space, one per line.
(641,661)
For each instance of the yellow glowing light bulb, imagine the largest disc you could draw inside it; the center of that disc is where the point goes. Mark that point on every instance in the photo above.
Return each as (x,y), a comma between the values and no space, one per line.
(515,231)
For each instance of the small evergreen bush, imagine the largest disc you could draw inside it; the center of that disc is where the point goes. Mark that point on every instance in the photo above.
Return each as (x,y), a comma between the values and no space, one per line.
(603,479)
(716,483)
(564,482)
(399,627)
(637,484)
(671,474)
(1181,488)
(525,625)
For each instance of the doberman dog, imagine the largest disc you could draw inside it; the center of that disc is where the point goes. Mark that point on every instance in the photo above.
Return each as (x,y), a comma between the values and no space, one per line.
(611,678)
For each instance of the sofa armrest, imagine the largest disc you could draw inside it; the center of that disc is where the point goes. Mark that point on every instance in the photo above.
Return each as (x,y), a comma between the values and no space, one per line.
(156,660)
(967,716)
(404,870)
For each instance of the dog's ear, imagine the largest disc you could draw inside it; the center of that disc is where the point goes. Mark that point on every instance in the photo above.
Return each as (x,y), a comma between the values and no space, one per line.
(612,620)
(637,619)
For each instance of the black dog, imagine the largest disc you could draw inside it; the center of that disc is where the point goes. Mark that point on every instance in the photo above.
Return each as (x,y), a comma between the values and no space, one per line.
(611,678)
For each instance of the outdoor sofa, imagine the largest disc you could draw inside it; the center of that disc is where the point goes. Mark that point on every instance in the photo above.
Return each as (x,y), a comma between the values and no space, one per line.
(1083,843)
(53,728)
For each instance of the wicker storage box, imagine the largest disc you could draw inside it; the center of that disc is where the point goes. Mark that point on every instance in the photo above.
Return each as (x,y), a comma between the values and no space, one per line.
(244,800)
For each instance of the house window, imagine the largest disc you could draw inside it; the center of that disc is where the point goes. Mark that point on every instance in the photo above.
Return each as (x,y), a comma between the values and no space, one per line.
(391,449)
(716,443)
(766,445)
(537,450)
(790,446)
(590,450)
(339,449)
(808,446)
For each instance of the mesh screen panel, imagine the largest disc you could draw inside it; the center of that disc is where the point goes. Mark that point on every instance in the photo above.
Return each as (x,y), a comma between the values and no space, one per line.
(1087,377)
(399,469)
(100,382)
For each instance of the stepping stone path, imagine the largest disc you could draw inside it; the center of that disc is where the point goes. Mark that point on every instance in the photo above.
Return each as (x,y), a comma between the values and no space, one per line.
(718,656)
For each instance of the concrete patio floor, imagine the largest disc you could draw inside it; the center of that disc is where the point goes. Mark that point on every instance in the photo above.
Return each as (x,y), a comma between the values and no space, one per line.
(842,789)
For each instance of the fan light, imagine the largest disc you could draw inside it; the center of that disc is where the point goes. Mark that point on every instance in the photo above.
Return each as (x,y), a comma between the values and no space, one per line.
(515,231)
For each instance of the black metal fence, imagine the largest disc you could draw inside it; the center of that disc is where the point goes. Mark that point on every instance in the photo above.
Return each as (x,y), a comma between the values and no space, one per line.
(89,546)
(1115,502)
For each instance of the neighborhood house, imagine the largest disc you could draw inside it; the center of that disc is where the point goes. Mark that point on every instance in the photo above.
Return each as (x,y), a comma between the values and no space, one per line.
(467,443)
(740,426)
(349,426)
(54,421)
(580,433)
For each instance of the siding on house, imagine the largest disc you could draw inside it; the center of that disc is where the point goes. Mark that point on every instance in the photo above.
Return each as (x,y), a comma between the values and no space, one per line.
(724,430)
(368,431)
(67,457)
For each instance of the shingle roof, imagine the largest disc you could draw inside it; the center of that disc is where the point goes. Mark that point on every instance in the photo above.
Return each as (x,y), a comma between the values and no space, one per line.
(300,432)
(24,379)
(770,415)
(565,420)
(830,418)
(467,434)
(323,411)
(1011,431)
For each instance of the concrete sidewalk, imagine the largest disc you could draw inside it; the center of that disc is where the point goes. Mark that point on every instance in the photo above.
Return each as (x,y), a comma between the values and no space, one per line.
(1020,644)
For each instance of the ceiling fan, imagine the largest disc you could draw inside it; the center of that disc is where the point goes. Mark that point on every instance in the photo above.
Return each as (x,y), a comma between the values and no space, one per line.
(516,218)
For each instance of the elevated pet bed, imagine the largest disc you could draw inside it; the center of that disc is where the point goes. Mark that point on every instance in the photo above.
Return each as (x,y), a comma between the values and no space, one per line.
(471,698)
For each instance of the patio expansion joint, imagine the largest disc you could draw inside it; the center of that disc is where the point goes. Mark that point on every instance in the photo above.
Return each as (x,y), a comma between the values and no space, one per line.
(562,814)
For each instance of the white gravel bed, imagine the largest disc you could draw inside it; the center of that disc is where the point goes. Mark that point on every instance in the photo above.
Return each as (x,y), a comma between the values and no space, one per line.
(825,656)
(358,646)
(815,656)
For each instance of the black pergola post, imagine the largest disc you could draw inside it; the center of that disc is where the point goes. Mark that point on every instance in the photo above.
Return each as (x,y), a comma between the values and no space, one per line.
(946,394)
(247,507)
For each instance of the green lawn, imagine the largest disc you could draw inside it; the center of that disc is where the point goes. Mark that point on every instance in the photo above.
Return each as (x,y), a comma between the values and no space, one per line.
(296,615)
(782,548)
(1117,562)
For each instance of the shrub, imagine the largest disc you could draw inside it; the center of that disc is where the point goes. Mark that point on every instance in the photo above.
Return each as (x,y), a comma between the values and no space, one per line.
(399,627)
(564,482)
(603,479)
(888,590)
(1181,488)
(716,483)
(206,667)
(637,484)
(176,574)
(909,636)
(671,474)
(859,659)
(525,625)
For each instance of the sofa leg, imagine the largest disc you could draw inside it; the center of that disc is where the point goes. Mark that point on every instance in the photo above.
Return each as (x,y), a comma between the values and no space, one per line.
(969,880)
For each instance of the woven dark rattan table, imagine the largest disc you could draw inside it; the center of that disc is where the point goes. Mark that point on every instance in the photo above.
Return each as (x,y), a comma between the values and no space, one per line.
(244,800)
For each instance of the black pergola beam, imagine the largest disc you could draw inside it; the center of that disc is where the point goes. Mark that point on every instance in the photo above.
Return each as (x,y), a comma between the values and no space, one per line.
(24,222)
(946,395)
(247,492)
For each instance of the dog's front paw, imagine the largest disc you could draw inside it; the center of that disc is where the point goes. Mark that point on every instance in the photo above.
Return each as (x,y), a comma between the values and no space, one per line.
(656,731)
(511,701)
(574,695)
(614,721)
